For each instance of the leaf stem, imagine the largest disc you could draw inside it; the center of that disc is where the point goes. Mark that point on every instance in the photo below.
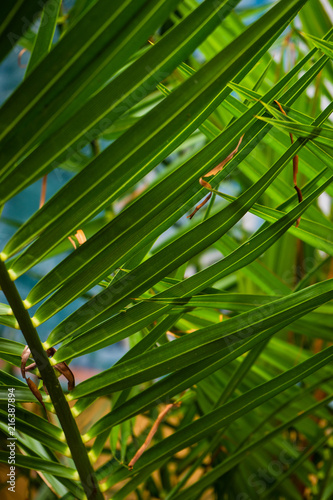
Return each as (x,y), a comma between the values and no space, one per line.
(68,424)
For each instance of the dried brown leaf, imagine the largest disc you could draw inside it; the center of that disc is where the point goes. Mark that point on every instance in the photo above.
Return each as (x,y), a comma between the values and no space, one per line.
(24,358)
(51,352)
(35,391)
(295,166)
(30,367)
(151,434)
(64,369)
(43,192)
(219,167)
(214,171)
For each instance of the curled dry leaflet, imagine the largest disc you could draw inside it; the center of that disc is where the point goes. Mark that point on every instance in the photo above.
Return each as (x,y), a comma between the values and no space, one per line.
(295,166)
(219,167)
(214,171)
(151,433)
(62,368)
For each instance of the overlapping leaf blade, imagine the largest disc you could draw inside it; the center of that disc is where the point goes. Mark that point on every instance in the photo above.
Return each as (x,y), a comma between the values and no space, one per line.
(16,17)
(145,142)
(237,259)
(65,64)
(148,299)
(184,350)
(213,421)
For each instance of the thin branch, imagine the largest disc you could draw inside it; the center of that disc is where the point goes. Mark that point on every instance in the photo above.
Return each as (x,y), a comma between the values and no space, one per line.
(43,192)
(67,422)
(151,434)
(200,206)
(214,171)
(19,58)
(295,165)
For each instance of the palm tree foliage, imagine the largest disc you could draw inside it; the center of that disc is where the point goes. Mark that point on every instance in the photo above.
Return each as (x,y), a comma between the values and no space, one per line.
(228,327)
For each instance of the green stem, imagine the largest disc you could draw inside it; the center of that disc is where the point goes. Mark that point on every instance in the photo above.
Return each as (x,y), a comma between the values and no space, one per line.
(67,422)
